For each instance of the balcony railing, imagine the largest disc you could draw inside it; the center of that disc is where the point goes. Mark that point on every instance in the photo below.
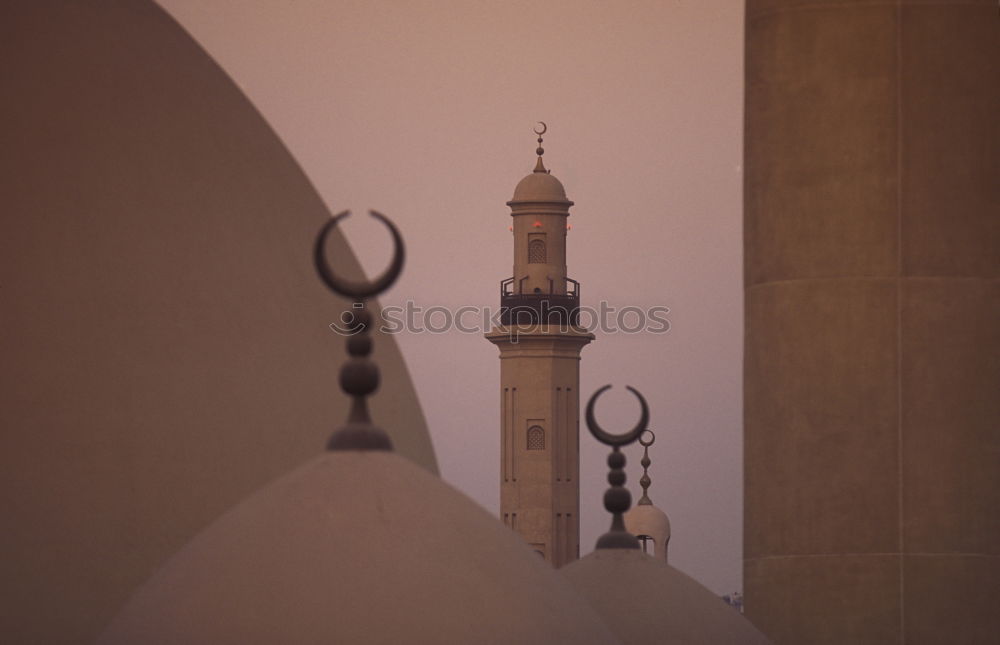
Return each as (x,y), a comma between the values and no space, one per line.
(538,307)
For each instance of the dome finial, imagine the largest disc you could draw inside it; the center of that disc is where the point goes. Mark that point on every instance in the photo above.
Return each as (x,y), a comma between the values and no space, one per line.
(539,166)
(617,499)
(645,481)
(359,377)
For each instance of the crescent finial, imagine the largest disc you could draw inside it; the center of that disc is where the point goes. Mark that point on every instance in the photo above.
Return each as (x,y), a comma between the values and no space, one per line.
(621,439)
(358,289)
(359,376)
(539,165)
(617,499)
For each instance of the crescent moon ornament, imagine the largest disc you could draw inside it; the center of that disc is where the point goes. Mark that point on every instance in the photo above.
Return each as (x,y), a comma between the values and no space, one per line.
(617,499)
(620,439)
(359,376)
(358,289)
(545,128)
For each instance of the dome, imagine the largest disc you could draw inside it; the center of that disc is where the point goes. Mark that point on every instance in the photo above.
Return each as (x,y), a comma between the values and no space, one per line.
(646,520)
(356,547)
(645,600)
(540,186)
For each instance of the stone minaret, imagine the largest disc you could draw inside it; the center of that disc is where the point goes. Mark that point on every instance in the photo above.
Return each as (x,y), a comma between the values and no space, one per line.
(540,345)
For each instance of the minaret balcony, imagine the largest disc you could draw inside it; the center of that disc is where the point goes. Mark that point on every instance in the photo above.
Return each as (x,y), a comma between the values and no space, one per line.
(519,307)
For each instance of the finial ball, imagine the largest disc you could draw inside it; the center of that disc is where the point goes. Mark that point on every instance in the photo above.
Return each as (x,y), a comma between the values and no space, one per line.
(617,500)
(359,377)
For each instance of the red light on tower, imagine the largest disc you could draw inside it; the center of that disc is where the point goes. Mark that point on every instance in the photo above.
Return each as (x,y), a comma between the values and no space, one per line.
(537,224)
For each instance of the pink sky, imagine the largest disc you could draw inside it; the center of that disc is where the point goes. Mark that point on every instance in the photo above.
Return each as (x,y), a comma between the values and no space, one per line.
(424,110)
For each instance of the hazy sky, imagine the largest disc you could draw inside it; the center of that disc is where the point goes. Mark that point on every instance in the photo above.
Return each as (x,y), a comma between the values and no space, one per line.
(424,110)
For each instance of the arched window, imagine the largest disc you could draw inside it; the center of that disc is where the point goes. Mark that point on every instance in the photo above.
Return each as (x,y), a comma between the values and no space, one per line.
(536,438)
(648,544)
(536,251)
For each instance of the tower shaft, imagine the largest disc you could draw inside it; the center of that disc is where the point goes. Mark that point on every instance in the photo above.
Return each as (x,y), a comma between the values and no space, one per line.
(539,436)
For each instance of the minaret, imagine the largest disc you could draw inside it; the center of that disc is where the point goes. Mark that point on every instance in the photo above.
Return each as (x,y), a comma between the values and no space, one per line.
(540,342)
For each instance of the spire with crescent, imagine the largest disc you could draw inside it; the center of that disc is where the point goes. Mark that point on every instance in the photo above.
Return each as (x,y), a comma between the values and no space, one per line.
(539,166)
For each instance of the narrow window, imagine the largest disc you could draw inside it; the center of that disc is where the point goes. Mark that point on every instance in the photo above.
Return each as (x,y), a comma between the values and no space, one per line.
(536,251)
(536,438)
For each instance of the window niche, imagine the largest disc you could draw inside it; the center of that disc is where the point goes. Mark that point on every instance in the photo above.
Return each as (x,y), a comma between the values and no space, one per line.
(536,438)
(536,249)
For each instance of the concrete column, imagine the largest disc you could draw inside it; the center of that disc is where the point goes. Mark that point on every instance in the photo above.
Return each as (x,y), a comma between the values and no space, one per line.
(872,364)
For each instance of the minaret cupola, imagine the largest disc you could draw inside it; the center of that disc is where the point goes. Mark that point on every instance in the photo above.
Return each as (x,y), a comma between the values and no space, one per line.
(644,520)
(539,289)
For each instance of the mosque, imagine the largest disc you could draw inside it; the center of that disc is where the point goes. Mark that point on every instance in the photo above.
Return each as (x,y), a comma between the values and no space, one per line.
(870,371)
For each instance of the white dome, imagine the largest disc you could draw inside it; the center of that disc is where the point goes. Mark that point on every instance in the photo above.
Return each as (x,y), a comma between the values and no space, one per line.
(644,600)
(647,520)
(356,547)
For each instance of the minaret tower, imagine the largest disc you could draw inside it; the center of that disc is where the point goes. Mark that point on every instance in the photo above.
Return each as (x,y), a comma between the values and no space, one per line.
(540,342)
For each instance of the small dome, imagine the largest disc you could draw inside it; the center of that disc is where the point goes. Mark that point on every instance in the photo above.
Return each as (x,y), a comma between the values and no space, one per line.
(356,547)
(646,520)
(645,600)
(540,187)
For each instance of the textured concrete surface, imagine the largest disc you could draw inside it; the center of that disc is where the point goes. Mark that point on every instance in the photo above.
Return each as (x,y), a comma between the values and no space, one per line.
(948,139)
(164,335)
(953,613)
(820,146)
(950,369)
(817,451)
(872,361)
(833,599)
